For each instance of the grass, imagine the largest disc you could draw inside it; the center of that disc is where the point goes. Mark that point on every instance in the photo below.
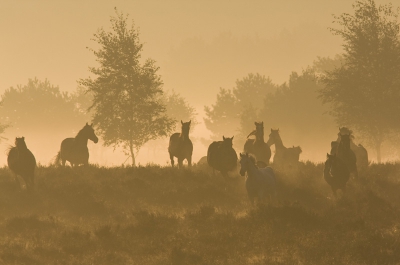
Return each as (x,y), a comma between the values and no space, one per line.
(162,215)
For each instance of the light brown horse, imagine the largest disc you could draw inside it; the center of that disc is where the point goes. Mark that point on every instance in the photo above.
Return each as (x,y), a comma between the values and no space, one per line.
(258,147)
(75,150)
(284,156)
(180,146)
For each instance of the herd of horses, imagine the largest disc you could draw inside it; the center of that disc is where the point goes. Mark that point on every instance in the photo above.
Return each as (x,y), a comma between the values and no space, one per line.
(344,161)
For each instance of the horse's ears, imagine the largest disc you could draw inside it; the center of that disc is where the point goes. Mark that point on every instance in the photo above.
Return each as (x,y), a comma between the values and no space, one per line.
(255,123)
(190,122)
(87,124)
(91,125)
(181,122)
(271,129)
(23,138)
(232,137)
(223,137)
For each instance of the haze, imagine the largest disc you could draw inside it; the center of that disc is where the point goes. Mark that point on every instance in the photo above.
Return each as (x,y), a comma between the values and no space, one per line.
(199,46)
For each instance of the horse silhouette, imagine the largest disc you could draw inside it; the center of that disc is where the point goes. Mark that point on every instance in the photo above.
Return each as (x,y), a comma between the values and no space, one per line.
(345,153)
(359,150)
(257,147)
(260,182)
(284,156)
(22,162)
(336,173)
(180,146)
(222,157)
(74,150)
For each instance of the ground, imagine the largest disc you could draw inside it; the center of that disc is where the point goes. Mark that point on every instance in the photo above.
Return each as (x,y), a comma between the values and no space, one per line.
(162,215)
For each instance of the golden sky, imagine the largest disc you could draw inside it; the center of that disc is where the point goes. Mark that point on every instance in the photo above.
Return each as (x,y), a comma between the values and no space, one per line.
(48,39)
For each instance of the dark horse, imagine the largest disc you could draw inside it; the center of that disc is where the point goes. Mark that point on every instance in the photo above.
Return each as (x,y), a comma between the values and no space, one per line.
(345,153)
(284,156)
(359,150)
(22,162)
(75,149)
(336,173)
(181,146)
(222,157)
(258,147)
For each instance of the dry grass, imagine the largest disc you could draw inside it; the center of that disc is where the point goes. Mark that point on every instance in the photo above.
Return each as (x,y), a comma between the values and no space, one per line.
(154,215)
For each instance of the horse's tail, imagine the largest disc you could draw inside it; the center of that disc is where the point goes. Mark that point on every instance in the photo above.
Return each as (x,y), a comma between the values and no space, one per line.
(57,159)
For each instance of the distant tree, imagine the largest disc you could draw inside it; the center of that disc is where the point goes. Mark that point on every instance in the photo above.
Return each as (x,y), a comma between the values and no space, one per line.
(38,106)
(296,110)
(224,117)
(322,65)
(252,89)
(179,109)
(364,90)
(127,95)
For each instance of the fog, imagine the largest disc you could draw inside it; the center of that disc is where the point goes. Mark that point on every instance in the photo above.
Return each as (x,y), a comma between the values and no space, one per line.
(200,46)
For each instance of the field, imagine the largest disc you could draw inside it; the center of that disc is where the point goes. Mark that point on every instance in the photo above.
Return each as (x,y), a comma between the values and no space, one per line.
(162,215)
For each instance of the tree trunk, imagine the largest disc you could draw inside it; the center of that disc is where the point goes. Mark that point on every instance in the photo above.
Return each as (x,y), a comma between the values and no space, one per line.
(378,150)
(132,155)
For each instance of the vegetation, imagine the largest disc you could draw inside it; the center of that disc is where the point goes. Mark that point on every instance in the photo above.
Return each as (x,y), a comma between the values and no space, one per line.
(127,95)
(155,215)
(363,91)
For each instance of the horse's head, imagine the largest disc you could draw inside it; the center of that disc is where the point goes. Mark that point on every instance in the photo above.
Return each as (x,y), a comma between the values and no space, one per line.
(88,131)
(186,127)
(273,137)
(20,142)
(344,131)
(330,158)
(228,142)
(245,162)
(345,140)
(259,131)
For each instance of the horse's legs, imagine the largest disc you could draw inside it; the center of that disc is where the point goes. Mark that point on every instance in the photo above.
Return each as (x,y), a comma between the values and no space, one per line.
(172,160)
(189,159)
(63,162)
(180,162)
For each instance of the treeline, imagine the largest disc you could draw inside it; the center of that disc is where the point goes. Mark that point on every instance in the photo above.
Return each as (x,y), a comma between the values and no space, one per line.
(359,89)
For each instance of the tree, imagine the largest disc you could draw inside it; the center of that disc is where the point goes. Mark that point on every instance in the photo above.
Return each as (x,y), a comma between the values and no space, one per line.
(127,95)
(365,90)
(224,117)
(38,106)
(179,109)
(301,117)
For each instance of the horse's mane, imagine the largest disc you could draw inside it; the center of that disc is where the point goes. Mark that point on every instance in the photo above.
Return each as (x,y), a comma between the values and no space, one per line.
(252,159)
(8,150)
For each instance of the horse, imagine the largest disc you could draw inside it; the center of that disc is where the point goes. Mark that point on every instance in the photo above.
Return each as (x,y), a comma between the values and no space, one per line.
(260,182)
(180,146)
(347,155)
(284,156)
(75,149)
(22,162)
(336,173)
(359,150)
(222,157)
(258,147)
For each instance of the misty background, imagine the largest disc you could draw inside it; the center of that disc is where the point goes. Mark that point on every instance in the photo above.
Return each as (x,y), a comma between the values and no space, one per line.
(200,48)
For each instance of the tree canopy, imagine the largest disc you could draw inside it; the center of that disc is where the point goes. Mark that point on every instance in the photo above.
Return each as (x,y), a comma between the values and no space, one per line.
(365,90)
(127,94)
